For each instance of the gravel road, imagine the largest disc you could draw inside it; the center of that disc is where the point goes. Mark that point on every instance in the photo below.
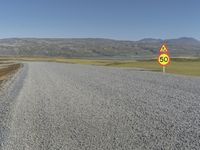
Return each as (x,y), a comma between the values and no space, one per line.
(55,106)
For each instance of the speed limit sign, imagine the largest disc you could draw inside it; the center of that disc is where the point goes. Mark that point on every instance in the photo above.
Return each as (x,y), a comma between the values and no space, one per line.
(163,59)
(163,56)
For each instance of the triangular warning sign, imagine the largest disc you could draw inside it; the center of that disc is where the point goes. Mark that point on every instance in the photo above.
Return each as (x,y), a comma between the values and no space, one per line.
(163,49)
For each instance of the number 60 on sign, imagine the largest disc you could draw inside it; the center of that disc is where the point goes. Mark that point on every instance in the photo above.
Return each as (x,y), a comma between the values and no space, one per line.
(163,59)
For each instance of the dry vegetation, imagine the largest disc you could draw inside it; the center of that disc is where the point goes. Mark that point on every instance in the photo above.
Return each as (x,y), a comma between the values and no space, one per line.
(7,69)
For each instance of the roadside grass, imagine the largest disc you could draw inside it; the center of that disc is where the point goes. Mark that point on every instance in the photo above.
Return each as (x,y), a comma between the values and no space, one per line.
(184,66)
(176,67)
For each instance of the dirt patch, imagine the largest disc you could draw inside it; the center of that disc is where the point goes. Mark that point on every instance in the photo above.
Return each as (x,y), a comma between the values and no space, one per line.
(7,70)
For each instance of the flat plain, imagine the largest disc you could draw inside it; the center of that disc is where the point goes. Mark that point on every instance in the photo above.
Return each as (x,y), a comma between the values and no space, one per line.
(69,106)
(184,66)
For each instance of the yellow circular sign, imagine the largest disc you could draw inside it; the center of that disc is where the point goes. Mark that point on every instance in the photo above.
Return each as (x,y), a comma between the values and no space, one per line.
(163,59)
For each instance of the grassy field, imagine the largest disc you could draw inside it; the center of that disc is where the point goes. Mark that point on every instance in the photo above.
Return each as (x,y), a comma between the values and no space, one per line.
(176,67)
(184,66)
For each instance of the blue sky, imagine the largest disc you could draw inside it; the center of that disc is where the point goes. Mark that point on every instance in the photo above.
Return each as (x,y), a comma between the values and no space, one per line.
(116,19)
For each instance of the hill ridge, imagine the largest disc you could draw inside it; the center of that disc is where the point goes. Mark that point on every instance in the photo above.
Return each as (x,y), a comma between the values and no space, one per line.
(96,47)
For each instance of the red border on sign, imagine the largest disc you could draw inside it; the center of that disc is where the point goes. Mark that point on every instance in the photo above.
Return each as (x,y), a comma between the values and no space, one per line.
(165,44)
(162,64)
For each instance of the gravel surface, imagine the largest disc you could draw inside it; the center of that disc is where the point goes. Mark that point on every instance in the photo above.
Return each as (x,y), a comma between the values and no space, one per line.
(54,106)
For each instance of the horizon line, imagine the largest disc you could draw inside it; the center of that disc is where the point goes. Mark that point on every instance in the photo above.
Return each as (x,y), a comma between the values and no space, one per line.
(115,39)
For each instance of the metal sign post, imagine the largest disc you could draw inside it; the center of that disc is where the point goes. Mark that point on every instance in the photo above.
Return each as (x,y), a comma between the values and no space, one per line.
(163,69)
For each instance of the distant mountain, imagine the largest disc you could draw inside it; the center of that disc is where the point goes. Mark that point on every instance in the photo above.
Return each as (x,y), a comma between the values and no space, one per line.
(184,40)
(150,40)
(96,47)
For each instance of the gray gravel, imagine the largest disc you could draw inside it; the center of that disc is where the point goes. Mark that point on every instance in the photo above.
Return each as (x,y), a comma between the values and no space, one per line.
(70,107)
